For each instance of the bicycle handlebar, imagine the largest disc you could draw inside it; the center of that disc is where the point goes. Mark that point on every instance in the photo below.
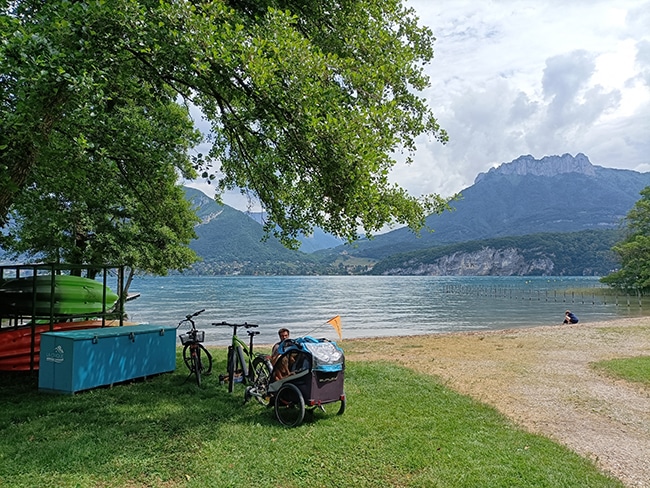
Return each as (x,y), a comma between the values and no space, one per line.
(245,324)
(188,317)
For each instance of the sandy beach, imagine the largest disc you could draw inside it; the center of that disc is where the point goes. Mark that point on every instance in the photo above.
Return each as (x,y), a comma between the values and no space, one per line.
(542,379)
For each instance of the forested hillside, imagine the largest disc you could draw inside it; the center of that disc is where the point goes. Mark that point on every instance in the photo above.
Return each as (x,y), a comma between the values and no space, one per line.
(586,253)
(231,242)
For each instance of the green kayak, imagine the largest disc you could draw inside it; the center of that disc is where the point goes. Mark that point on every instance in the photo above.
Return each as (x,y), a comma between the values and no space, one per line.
(72,295)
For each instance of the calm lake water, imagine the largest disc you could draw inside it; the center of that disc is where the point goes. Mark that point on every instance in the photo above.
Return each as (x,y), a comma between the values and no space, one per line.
(369,306)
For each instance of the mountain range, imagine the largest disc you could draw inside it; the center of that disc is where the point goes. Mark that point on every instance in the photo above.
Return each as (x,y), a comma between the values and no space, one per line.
(558,215)
(525,196)
(555,215)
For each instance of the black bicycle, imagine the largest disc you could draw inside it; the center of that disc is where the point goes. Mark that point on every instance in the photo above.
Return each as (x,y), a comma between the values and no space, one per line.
(191,340)
(244,365)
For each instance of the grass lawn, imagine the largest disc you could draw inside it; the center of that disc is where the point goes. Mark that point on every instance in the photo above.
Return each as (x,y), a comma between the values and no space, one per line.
(635,369)
(400,429)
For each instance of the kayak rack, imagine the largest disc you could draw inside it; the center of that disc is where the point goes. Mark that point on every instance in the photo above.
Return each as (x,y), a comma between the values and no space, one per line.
(39,311)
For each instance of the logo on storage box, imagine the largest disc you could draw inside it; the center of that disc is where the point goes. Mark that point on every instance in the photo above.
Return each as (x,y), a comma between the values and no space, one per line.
(55,356)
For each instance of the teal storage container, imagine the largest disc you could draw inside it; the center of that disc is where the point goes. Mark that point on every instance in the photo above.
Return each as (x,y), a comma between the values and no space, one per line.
(71,361)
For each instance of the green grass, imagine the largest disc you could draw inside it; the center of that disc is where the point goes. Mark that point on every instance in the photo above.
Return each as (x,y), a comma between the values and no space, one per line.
(400,429)
(635,369)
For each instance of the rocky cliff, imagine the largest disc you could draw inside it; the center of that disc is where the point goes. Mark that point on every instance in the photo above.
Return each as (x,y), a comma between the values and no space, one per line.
(547,166)
(486,262)
(585,253)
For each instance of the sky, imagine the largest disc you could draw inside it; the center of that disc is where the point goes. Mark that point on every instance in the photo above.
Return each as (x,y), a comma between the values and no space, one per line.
(518,77)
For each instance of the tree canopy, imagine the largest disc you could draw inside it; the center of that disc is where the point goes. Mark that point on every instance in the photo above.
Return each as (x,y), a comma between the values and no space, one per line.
(634,250)
(308,103)
(113,200)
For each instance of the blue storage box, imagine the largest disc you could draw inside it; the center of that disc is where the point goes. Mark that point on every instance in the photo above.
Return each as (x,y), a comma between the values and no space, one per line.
(76,360)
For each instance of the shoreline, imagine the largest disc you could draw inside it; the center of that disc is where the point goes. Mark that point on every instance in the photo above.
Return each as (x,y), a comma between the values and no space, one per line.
(618,322)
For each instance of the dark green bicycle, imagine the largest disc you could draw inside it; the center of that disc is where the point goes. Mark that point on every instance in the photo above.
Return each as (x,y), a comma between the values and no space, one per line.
(244,365)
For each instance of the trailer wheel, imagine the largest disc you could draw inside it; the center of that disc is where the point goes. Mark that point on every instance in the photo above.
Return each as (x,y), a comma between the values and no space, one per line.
(289,405)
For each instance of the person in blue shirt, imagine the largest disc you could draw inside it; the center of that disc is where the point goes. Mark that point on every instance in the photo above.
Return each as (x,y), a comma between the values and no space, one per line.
(570,317)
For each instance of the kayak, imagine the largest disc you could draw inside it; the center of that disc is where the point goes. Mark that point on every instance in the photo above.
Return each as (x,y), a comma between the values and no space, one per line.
(72,295)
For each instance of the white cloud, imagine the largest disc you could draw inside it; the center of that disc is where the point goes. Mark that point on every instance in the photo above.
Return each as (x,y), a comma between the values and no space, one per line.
(528,77)
(643,62)
(513,77)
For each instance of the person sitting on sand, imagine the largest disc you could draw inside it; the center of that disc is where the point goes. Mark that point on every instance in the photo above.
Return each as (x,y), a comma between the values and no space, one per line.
(570,317)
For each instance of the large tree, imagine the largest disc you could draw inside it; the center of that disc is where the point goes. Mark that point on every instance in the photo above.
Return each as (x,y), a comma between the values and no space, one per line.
(308,101)
(113,197)
(634,250)
(102,186)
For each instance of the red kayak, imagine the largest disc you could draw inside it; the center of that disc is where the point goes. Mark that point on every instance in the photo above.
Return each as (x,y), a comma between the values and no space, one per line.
(16,342)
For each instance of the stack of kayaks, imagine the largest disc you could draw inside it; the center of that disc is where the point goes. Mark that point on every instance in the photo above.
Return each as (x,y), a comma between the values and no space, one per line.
(71,295)
(61,296)
(16,343)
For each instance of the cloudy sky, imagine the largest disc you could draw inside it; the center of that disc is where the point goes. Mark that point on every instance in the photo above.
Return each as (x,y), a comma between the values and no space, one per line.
(515,77)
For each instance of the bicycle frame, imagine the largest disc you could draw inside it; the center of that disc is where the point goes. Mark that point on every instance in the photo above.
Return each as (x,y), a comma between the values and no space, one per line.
(239,353)
(242,351)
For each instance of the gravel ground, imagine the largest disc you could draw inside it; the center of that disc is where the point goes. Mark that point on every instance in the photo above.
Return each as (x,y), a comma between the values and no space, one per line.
(541,378)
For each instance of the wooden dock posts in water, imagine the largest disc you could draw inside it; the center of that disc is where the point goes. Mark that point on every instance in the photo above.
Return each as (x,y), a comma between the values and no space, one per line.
(593,296)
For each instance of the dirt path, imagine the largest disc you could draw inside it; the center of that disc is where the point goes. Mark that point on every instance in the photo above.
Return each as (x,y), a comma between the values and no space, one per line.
(541,378)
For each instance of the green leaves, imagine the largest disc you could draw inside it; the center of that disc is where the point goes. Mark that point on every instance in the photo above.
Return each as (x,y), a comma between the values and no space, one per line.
(307,102)
(307,105)
(634,250)
(101,184)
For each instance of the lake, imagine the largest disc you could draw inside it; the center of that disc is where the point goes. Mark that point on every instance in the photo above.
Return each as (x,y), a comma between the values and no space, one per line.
(369,306)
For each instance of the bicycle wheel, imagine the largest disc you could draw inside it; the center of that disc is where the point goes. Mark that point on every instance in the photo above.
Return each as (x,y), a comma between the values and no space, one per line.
(289,405)
(187,357)
(206,364)
(261,377)
(196,364)
(229,368)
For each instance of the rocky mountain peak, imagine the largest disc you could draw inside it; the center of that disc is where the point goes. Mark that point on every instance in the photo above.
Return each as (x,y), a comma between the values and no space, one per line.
(547,166)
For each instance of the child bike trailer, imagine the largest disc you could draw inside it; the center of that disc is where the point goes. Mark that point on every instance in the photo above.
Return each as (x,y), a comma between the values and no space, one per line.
(308,373)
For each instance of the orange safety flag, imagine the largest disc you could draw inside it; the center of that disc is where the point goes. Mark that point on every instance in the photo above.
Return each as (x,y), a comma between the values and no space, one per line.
(336,323)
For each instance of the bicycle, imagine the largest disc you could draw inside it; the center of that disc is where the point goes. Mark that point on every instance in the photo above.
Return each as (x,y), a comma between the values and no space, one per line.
(193,349)
(255,368)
